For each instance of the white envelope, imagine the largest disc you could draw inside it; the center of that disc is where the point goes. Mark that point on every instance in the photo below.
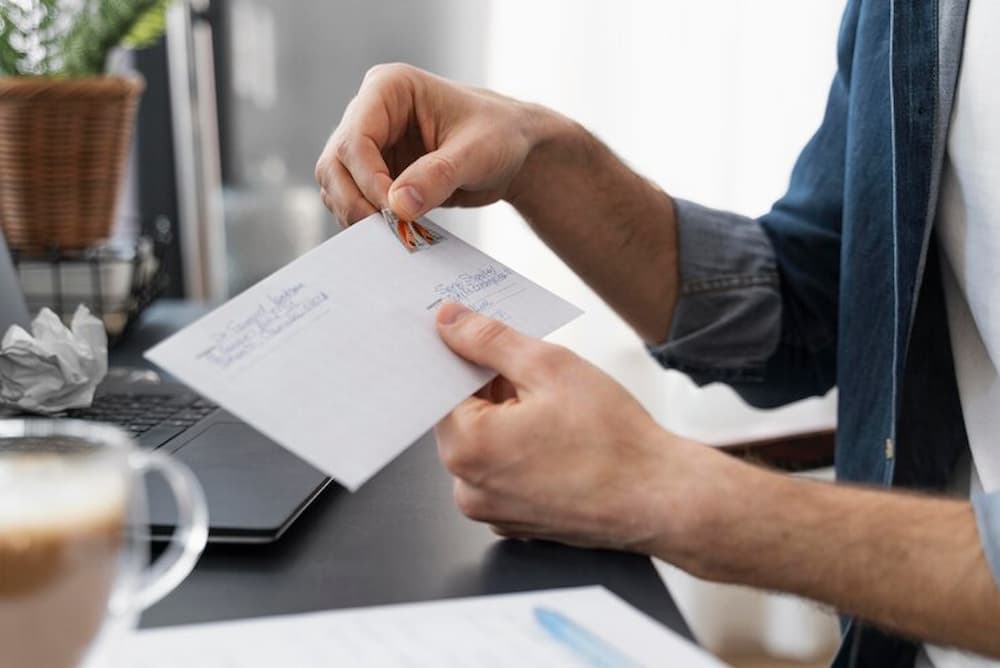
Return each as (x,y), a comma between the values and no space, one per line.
(336,357)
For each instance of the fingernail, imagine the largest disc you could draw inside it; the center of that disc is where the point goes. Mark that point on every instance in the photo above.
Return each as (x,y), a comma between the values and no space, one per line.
(451,313)
(409,200)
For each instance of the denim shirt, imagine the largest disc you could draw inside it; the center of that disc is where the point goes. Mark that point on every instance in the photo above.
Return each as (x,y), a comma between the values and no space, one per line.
(839,284)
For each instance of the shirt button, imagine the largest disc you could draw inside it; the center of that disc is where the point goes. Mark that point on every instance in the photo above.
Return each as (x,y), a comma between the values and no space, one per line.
(890,449)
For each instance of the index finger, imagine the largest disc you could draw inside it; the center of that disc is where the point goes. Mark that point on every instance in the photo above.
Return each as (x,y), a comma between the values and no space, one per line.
(374,120)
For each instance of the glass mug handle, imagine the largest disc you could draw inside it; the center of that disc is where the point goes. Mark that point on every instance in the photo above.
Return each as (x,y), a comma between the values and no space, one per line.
(187,541)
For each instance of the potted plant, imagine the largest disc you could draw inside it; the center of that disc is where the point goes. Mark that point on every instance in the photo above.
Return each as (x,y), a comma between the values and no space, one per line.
(65,125)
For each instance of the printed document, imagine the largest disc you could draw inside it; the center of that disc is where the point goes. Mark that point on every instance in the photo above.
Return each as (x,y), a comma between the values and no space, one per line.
(583,627)
(336,356)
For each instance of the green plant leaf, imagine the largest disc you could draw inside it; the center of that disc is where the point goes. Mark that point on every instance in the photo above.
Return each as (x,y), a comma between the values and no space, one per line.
(10,56)
(101,26)
(60,38)
(28,36)
(149,28)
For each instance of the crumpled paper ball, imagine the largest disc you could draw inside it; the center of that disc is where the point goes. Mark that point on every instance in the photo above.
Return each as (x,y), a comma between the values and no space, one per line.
(53,368)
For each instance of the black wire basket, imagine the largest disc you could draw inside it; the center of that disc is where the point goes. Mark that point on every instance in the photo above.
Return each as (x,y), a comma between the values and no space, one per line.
(115,280)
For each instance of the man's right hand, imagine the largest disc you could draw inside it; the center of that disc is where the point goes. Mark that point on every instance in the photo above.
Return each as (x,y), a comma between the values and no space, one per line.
(412,141)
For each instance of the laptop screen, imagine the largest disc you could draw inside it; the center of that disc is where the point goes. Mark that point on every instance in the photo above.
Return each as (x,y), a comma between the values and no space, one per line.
(13,309)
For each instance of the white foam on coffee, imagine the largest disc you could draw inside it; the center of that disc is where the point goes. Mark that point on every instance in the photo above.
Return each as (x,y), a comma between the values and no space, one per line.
(42,492)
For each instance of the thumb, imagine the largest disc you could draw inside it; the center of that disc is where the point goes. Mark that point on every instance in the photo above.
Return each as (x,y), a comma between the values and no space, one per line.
(486,342)
(428,182)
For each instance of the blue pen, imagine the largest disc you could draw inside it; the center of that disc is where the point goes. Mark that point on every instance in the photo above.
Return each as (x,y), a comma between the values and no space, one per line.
(590,649)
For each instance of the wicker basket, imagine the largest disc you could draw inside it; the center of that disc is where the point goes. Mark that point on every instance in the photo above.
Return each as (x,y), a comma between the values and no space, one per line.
(63,144)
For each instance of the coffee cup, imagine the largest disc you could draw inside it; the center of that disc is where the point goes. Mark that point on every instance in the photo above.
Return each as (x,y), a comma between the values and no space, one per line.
(74,539)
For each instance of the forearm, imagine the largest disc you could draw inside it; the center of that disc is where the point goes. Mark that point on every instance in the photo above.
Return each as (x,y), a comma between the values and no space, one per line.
(911,564)
(614,228)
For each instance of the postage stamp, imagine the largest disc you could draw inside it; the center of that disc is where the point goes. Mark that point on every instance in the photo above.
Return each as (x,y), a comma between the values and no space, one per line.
(411,234)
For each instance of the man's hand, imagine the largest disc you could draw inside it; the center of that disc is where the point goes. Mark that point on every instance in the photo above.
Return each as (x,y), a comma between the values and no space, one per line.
(413,141)
(554,448)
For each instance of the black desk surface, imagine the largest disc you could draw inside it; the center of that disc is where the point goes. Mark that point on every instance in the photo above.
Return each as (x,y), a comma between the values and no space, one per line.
(398,539)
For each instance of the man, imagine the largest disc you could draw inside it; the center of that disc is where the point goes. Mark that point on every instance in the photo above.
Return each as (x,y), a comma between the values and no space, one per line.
(876,272)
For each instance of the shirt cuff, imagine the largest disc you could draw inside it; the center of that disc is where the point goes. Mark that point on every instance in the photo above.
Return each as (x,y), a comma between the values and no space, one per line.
(727,321)
(987,507)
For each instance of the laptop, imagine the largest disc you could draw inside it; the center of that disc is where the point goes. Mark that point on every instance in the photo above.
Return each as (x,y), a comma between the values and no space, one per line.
(255,489)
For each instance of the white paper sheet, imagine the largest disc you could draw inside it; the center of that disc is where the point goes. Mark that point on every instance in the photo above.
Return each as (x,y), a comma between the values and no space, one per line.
(487,632)
(336,357)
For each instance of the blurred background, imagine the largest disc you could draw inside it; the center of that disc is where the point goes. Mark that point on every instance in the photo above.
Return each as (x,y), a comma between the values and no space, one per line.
(712,100)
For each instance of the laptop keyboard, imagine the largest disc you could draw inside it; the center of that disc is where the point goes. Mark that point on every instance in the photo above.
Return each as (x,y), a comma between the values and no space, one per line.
(151,419)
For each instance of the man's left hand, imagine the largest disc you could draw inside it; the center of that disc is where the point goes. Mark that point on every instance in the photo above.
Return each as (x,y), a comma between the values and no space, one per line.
(555,448)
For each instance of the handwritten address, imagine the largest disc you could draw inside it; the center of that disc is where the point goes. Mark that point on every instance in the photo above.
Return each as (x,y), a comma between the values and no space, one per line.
(278,311)
(476,290)
(468,285)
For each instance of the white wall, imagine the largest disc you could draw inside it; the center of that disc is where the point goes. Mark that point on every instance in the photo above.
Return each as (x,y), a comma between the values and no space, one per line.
(712,100)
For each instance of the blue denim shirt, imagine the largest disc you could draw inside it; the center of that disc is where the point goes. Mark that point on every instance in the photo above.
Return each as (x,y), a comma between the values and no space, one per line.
(839,284)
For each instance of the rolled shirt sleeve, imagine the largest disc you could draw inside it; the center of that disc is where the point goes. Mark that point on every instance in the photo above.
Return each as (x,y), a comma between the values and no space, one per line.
(987,507)
(727,321)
